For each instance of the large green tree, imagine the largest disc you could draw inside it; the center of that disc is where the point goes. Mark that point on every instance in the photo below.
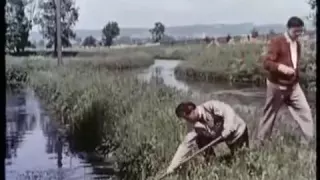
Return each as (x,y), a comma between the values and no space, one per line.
(109,32)
(157,32)
(18,25)
(46,19)
(89,41)
(314,9)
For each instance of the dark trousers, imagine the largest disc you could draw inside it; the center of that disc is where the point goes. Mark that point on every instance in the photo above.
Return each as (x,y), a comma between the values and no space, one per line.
(243,141)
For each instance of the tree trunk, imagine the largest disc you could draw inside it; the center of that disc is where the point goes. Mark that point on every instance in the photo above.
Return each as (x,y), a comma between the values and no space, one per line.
(55,51)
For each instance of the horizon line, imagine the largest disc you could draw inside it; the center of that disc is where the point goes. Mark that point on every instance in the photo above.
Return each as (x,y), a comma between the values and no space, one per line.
(173,26)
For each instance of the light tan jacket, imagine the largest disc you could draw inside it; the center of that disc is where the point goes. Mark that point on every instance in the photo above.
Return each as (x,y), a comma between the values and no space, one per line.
(212,112)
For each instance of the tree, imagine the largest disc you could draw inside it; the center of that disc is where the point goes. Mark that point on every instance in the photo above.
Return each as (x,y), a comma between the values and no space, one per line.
(18,25)
(89,41)
(46,19)
(314,9)
(109,32)
(254,33)
(157,32)
(272,32)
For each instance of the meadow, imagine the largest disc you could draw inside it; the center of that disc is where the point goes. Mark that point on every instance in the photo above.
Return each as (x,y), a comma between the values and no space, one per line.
(239,63)
(135,120)
(226,63)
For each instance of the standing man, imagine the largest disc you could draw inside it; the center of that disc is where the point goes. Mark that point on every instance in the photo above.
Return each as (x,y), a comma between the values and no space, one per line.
(282,64)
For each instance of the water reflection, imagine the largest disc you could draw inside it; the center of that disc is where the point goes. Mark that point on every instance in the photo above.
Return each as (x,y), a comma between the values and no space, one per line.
(35,148)
(163,69)
(162,72)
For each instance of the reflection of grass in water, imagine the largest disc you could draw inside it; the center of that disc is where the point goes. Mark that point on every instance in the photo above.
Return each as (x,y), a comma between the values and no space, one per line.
(87,134)
(156,80)
(15,137)
(59,174)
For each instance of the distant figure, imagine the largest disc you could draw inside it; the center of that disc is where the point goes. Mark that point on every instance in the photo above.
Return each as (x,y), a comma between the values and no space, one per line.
(228,38)
(248,37)
(207,122)
(207,40)
(283,88)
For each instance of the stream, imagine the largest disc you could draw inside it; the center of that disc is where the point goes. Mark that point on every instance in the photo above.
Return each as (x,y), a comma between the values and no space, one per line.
(162,71)
(37,149)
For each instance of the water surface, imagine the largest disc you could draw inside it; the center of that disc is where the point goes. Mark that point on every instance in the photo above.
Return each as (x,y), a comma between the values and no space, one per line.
(37,149)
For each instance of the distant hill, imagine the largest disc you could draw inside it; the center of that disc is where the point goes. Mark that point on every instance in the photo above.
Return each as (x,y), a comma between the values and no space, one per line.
(183,31)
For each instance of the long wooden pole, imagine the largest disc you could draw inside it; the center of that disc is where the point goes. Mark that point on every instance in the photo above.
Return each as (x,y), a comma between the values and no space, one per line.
(212,143)
(58,31)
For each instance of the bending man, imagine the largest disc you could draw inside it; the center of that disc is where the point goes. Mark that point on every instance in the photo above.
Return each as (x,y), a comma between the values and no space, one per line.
(207,122)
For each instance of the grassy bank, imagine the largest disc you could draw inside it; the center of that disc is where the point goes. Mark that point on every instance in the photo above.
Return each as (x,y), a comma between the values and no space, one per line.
(180,52)
(136,121)
(115,61)
(237,64)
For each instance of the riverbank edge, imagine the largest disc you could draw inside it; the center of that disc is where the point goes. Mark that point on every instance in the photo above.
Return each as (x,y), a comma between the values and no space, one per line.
(59,115)
(17,78)
(64,129)
(161,54)
(258,80)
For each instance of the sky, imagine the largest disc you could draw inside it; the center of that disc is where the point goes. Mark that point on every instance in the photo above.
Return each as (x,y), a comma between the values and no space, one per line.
(94,14)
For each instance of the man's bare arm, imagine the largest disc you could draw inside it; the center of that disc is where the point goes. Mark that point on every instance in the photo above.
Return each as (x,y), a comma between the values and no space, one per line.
(183,150)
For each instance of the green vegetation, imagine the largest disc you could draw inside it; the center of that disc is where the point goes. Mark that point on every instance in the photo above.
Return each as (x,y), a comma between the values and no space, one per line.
(17,26)
(157,32)
(89,41)
(46,19)
(180,52)
(240,63)
(229,63)
(109,32)
(312,15)
(137,122)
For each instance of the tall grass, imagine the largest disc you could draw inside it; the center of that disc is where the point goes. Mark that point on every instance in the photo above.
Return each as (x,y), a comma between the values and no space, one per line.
(239,63)
(157,52)
(137,122)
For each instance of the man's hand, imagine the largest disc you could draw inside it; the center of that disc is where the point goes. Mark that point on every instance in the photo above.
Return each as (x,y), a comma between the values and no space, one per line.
(285,69)
(169,171)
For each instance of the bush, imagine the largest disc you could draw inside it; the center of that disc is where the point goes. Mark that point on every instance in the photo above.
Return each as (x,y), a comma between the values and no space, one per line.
(229,63)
